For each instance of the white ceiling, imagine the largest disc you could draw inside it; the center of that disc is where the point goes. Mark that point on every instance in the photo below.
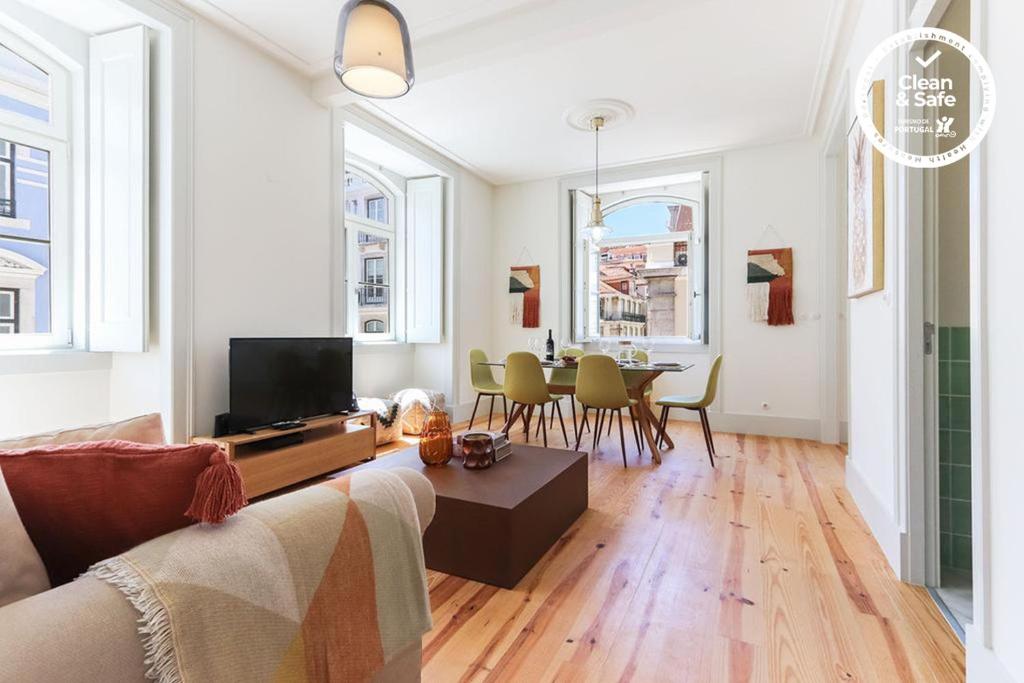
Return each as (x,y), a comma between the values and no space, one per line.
(494,77)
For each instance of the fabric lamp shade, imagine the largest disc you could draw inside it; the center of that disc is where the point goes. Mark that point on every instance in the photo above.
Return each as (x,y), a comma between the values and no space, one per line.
(372,55)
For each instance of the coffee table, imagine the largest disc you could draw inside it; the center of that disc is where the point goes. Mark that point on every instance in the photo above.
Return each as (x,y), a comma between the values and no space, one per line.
(493,525)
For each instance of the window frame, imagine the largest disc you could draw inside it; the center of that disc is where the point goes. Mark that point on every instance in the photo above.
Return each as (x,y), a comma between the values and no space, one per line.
(644,178)
(391,230)
(55,138)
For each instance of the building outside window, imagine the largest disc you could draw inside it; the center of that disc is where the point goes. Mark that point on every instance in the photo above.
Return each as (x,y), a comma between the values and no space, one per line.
(29,141)
(371,232)
(637,282)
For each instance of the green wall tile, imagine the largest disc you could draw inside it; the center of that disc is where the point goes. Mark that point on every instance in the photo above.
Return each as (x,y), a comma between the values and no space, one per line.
(945,443)
(959,379)
(960,517)
(944,476)
(960,447)
(944,343)
(945,524)
(944,377)
(946,550)
(943,412)
(960,343)
(959,412)
(961,558)
(960,482)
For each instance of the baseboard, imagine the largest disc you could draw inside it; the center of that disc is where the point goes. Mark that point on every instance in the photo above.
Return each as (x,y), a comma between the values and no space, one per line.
(983,666)
(884,528)
(734,423)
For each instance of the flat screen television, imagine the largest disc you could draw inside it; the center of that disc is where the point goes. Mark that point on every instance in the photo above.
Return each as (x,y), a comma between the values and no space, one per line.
(275,381)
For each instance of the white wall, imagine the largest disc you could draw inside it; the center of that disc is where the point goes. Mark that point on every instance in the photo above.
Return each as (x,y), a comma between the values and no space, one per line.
(999,481)
(871,466)
(262,209)
(775,184)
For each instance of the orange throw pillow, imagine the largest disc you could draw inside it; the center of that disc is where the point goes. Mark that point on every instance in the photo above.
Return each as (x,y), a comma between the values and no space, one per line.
(82,503)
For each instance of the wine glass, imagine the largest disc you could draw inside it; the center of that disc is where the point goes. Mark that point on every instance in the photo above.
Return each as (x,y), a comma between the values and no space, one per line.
(534,345)
(605,346)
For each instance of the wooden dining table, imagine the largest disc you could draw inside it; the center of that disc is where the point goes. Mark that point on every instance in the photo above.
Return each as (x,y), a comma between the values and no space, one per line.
(641,376)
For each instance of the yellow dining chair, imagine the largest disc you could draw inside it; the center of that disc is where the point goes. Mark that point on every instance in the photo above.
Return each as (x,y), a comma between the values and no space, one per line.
(562,382)
(599,385)
(633,379)
(484,384)
(698,403)
(526,387)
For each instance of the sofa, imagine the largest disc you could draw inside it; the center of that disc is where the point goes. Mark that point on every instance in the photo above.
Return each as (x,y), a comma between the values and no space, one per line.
(87,631)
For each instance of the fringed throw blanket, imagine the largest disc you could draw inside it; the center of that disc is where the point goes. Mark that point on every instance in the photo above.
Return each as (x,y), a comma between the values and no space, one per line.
(323,584)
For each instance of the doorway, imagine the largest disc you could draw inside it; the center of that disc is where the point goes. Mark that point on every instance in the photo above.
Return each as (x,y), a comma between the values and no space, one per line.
(947,372)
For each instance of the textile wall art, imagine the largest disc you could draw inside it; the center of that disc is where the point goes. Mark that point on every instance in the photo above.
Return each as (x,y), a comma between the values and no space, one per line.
(524,286)
(866,204)
(770,285)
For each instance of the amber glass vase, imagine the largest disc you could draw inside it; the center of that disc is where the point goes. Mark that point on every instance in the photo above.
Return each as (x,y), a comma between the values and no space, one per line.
(436,439)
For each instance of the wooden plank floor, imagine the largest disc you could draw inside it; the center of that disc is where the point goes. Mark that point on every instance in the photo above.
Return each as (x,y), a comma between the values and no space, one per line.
(759,570)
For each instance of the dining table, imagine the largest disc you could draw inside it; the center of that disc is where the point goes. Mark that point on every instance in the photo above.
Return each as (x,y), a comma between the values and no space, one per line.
(641,377)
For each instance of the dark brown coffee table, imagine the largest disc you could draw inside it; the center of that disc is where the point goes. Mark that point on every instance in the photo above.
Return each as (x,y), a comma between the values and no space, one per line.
(493,525)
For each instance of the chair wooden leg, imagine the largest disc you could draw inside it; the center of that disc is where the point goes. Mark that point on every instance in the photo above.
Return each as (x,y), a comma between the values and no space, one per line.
(529,417)
(633,419)
(662,425)
(609,427)
(561,420)
(707,435)
(579,430)
(543,425)
(504,401)
(490,414)
(473,416)
(552,425)
(585,422)
(572,404)
(711,435)
(597,429)
(622,438)
(516,412)
(537,433)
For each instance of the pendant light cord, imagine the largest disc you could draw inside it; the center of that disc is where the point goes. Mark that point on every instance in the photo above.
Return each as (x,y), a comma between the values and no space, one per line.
(597,160)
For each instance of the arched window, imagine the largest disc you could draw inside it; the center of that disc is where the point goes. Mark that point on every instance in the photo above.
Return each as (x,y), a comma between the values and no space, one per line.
(35,262)
(371,233)
(648,257)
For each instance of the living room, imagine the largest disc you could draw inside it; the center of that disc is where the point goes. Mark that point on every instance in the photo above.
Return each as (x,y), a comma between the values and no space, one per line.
(586,173)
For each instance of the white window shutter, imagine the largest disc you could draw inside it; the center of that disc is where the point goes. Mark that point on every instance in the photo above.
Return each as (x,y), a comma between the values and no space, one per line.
(424,259)
(119,190)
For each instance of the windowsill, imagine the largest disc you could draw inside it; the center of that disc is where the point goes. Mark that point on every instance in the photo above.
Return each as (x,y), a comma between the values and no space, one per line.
(31,361)
(387,346)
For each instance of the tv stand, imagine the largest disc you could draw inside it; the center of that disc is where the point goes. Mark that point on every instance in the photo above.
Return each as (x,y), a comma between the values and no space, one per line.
(275,458)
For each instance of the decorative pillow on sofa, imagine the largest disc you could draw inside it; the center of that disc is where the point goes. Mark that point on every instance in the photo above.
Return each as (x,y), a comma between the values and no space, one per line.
(21,571)
(143,429)
(81,503)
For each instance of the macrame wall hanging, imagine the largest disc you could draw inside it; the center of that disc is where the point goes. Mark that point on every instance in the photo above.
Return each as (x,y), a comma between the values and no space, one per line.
(770,282)
(524,290)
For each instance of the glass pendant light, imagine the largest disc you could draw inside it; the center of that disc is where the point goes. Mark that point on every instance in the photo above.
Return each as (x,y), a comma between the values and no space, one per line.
(596,230)
(372,54)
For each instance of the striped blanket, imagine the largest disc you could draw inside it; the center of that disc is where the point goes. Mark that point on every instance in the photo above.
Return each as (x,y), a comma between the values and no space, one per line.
(323,584)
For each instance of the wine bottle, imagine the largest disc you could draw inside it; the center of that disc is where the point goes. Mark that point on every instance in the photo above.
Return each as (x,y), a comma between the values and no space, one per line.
(550,347)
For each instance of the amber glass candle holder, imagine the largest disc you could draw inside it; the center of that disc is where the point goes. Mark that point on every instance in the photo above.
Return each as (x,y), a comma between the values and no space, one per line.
(436,439)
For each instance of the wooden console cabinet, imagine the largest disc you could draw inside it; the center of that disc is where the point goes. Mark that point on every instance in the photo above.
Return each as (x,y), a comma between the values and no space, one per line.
(328,444)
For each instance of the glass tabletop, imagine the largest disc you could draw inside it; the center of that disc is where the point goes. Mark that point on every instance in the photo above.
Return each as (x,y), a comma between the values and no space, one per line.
(625,366)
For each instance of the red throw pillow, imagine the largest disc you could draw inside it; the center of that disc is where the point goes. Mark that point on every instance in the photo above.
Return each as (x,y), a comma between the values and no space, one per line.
(82,503)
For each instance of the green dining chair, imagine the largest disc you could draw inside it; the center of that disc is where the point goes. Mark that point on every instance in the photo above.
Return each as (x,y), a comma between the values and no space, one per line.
(632,380)
(599,385)
(526,387)
(562,382)
(484,384)
(698,403)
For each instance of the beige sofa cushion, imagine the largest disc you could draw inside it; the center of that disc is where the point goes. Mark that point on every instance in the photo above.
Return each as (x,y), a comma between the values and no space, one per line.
(21,571)
(144,429)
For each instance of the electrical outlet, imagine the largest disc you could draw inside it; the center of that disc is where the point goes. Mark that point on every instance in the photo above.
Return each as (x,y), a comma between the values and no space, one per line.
(765,406)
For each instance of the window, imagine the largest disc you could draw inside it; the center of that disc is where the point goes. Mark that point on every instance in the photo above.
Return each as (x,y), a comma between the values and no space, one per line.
(371,234)
(647,277)
(34,214)
(377,209)
(24,87)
